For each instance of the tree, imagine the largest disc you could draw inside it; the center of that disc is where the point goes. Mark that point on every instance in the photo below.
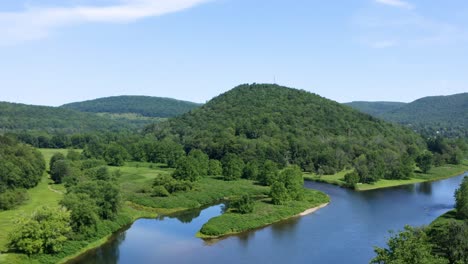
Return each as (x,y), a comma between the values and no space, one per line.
(44,232)
(215,168)
(279,193)
(351,179)
(60,170)
(461,199)
(83,211)
(105,194)
(232,167)
(115,155)
(201,161)
(450,240)
(56,157)
(243,205)
(293,181)
(269,173)
(187,169)
(409,246)
(424,161)
(251,170)
(73,155)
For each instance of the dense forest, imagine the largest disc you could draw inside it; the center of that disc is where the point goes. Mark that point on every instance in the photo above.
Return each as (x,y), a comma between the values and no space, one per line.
(143,105)
(434,115)
(20,117)
(287,126)
(21,168)
(376,108)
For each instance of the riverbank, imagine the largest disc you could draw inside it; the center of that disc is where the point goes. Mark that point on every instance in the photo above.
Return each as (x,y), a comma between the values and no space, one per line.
(436,173)
(264,214)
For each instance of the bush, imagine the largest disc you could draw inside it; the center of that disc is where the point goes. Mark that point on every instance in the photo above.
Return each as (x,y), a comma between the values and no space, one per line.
(159,191)
(244,205)
(9,199)
(351,179)
(44,232)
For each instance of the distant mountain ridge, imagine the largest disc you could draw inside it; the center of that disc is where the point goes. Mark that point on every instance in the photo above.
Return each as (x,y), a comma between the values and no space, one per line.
(376,108)
(22,117)
(430,115)
(147,106)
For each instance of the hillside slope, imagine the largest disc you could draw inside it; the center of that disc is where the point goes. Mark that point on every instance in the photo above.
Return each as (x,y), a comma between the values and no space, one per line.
(19,117)
(375,108)
(288,126)
(446,114)
(142,105)
(433,115)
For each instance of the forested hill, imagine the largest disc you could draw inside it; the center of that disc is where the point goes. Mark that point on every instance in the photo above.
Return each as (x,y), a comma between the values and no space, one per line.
(288,126)
(446,115)
(18,117)
(143,105)
(375,108)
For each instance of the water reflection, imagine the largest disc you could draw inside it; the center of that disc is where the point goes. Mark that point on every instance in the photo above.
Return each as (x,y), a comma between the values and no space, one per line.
(425,188)
(343,232)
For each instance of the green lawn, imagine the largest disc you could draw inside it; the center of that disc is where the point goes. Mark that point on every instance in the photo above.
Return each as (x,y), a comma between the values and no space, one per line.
(436,173)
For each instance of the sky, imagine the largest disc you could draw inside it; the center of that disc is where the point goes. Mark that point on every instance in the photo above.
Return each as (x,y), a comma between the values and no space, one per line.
(54,52)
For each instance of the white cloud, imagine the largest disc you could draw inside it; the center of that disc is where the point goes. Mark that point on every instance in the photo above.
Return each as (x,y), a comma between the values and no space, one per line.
(37,22)
(396,3)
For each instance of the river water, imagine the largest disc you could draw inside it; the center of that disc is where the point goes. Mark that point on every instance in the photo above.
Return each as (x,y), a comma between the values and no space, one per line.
(343,232)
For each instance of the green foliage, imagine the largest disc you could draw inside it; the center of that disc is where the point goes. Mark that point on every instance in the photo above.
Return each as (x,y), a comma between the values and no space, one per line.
(56,157)
(21,167)
(44,232)
(73,155)
(83,212)
(269,173)
(424,161)
(11,198)
(105,194)
(376,108)
(242,205)
(115,155)
(163,185)
(461,198)
(279,194)
(143,105)
(293,181)
(215,168)
(187,169)
(431,116)
(287,126)
(409,246)
(264,213)
(351,179)
(251,170)
(233,167)
(20,117)
(61,169)
(450,239)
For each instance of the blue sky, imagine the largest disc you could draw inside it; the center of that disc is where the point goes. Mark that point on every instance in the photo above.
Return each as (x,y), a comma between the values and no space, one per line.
(54,52)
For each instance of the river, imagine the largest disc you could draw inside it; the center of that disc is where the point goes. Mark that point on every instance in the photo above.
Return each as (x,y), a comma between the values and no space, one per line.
(343,232)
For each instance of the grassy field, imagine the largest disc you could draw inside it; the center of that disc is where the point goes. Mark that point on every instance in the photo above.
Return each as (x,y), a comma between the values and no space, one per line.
(42,194)
(436,173)
(265,213)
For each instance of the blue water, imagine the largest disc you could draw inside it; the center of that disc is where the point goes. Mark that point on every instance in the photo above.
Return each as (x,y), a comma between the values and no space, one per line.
(343,232)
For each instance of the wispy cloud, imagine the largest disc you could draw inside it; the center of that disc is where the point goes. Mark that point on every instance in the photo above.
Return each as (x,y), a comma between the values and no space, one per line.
(377,28)
(37,22)
(396,3)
